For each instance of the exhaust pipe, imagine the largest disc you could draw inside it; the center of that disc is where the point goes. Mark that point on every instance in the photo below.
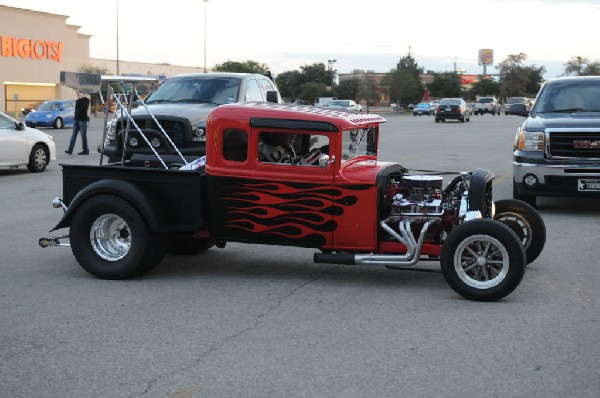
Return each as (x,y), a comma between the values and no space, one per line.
(410,258)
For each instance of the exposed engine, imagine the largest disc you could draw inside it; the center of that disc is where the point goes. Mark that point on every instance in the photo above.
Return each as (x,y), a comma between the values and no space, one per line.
(420,197)
(416,205)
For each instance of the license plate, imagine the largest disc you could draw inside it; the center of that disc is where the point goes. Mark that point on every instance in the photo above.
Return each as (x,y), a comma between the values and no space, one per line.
(588,185)
(448,109)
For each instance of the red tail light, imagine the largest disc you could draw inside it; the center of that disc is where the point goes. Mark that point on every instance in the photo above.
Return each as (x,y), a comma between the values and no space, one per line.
(437,109)
(458,109)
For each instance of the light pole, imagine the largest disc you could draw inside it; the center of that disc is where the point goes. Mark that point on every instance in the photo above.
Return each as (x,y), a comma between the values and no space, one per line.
(118,38)
(368,89)
(205,1)
(453,60)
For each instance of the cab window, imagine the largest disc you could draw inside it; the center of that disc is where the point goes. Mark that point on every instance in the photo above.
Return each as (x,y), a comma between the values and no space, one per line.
(292,149)
(235,145)
(253,92)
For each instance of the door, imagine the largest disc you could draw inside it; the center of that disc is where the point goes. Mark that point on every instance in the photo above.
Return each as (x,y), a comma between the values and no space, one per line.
(280,195)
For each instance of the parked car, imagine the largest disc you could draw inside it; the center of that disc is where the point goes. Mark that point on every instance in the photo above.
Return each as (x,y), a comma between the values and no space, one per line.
(488,105)
(30,108)
(57,114)
(24,146)
(556,151)
(181,105)
(346,105)
(452,108)
(423,108)
(433,105)
(524,101)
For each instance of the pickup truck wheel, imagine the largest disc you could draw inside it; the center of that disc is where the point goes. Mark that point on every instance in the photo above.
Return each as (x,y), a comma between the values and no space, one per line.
(186,244)
(110,239)
(526,222)
(529,199)
(437,120)
(483,260)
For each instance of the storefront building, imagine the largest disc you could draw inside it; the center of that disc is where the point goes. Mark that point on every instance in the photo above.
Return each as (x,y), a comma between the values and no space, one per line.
(36,46)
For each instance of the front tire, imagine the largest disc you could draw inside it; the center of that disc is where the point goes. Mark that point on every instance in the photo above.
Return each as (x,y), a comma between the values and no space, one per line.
(526,222)
(38,159)
(110,239)
(483,260)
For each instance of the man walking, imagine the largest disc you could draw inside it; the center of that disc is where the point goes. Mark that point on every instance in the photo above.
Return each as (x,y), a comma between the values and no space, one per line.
(80,124)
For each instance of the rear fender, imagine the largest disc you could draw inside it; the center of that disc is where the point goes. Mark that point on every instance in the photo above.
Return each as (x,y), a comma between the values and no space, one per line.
(122,189)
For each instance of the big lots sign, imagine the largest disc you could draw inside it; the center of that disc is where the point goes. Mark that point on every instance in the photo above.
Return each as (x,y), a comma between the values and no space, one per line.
(28,48)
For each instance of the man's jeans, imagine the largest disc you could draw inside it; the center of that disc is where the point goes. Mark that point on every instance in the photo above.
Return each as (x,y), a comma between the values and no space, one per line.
(77,127)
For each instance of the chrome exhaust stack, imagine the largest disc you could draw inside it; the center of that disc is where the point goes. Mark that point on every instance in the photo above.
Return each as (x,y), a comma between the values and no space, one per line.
(405,236)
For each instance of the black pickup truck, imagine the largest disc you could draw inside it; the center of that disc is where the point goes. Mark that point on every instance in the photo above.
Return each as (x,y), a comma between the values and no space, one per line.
(556,150)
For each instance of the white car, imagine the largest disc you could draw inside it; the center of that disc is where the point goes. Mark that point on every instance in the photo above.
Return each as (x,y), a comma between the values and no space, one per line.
(347,105)
(24,146)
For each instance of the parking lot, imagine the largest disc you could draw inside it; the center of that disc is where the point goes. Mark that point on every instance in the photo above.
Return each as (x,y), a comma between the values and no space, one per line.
(265,321)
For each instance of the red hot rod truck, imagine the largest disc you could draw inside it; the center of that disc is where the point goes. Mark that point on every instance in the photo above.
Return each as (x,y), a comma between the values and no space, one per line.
(330,193)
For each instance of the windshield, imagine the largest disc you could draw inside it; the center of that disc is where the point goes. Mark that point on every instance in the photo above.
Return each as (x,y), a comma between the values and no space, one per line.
(339,103)
(359,142)
(422,105)
(49,106)
(569,96)
(452,101)
(209,89)
(516,100)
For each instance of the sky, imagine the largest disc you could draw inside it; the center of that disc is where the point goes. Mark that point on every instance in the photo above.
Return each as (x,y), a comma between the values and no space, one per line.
(360,35)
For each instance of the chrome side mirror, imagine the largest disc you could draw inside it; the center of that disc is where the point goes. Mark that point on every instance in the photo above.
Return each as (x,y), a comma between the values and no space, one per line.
(324,161)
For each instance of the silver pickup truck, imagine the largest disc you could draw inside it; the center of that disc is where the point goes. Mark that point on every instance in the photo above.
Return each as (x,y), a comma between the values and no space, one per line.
(487,105)
(556,150)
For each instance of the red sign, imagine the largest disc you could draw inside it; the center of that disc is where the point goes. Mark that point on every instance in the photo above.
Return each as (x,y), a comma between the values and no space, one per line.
(27,48)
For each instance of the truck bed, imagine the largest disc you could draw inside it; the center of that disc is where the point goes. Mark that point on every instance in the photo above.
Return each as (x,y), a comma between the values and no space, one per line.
(177,197)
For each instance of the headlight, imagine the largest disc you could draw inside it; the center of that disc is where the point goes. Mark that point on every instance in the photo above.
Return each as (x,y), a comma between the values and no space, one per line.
(155,142)
(133,141)
(199,131)
(528,140)
(111,132)
(49,116)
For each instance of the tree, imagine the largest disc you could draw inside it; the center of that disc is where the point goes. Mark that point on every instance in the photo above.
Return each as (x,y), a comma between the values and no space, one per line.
(248,66)
(445,85)
(288,84)
(404,83)
(317,73)
(349,89)
(518,80)
(485,87)
(310,90)
(581,66)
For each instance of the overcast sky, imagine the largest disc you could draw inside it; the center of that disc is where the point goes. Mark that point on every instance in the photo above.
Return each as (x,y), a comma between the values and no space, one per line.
(364,35)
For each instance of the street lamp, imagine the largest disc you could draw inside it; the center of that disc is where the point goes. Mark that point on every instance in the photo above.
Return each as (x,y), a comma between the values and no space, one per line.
(205,1)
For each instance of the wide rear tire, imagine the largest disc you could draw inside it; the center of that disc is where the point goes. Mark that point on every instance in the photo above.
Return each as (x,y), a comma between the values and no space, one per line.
(483,260)
(526,222)
(110,239)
